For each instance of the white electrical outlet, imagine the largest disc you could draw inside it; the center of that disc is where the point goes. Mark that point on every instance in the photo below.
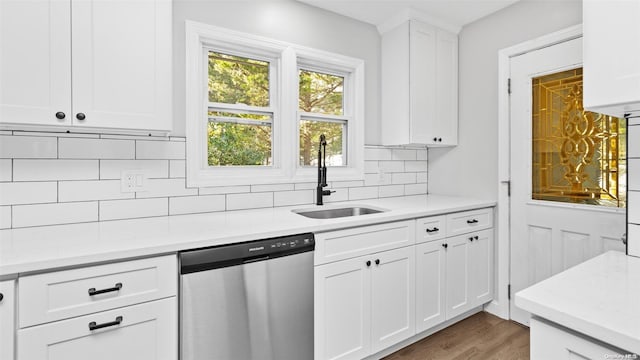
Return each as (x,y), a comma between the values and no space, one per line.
(133,181)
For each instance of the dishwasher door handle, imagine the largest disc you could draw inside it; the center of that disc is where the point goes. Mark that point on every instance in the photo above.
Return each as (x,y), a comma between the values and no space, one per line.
(266,257)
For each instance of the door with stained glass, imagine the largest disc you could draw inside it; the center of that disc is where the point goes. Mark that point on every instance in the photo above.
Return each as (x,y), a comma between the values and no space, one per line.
(567,170)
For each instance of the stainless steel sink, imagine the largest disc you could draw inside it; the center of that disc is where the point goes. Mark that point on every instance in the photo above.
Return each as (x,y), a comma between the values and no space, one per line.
(337,212)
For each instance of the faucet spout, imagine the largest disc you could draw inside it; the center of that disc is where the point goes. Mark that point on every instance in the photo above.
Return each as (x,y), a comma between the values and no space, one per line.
(322,171)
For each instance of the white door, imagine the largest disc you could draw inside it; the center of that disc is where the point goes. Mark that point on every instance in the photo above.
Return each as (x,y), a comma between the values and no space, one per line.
(342,309)
(121,58)
(392,297)
(145,331)
(35,62)
(430,285)
(549,234)
(458,298)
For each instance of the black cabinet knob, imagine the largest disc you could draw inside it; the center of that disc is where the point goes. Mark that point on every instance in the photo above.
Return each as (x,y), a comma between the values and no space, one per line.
(439,139)
(377,261)
(471,238)
(81,116)
(1,296)
(435,139)
(60,115)
(445,245)
(475,237)
(368,263)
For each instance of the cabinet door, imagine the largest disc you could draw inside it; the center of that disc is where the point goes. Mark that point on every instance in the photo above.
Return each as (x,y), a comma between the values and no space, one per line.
(458,297)
(122,64)
(342,308)
(445,121)
(430,285)
(422,99)
(481,267)
(35,62)
(392,297)
(611,83)
(147,331)
(7,319)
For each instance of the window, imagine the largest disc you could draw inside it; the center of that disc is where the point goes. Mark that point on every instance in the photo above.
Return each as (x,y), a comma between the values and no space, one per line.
(256,108)
(578,156)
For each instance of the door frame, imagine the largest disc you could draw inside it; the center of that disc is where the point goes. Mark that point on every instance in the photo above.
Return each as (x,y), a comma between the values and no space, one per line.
(500,305)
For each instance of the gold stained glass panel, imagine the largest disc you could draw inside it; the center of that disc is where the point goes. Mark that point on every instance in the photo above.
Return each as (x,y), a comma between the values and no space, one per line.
(578,156)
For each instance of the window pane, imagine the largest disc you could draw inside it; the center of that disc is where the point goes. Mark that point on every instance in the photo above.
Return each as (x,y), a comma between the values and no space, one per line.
(238,80)
(321,93)
(242,140)
(310,131)
(578,156)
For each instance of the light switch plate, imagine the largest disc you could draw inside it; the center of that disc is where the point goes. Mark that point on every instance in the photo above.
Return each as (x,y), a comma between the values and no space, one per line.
(133,181)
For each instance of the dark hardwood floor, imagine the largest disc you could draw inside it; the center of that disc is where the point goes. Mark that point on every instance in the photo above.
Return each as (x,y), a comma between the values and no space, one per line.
(481,336)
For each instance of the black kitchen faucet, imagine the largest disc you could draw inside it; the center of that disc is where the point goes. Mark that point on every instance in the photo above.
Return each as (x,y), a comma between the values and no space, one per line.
(322,171)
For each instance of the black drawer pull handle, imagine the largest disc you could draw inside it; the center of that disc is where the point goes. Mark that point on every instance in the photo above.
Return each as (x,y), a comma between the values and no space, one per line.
(93,291)
(94,326)
(445,245)
(474,221)
(433,230)
(368,263)
(377,261)
(471,238)
(476,237)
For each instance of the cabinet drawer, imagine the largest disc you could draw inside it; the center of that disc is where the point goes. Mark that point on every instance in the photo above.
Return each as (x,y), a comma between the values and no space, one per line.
(467,221)
(63,294)
(430,228)
(344,244)
(143,332)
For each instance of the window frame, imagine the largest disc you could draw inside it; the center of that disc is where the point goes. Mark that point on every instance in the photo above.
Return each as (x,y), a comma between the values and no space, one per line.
(287,59)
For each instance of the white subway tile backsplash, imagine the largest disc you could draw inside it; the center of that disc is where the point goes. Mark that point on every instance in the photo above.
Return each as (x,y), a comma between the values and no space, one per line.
(15,193)
(51,214)
(306,186)
(177,168)
(134,208)
(249,201)
(415,189)
(288,198)
(371,167)
(403,178)
(196,204)
(77,148)
(6,170)
(360,193)
(224,190)
(403,154)
(346,184)
(377,153)
(272,187)
(377,179)
(112,169)
(339,195)
(28,147)
(173,150)
(166,187)
(54,169)
(5,217)
(91,190)
(391,190)
(421,154)
(391,166)
(422,177)
(412,166)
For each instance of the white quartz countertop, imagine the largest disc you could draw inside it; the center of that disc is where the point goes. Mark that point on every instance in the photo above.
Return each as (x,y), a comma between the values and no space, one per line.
(599,298)
(50,247)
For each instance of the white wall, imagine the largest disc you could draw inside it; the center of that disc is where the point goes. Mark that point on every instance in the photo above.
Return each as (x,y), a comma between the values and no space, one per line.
(289,21)
(471,168)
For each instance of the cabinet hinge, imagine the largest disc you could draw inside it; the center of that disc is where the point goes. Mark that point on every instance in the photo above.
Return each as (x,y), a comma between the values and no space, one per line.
(509,86)
(509,292)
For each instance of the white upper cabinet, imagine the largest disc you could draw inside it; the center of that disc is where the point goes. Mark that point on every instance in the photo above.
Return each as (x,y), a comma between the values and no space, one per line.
(90,64)
(419,85)
(611,56)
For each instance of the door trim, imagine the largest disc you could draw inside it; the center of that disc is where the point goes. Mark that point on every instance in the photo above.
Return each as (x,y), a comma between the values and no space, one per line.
(500,305)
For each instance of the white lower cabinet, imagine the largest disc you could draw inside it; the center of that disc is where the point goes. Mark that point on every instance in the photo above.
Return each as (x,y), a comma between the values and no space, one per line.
(7,319)
(145,331)
(549,341)
(364,304)
(430,285)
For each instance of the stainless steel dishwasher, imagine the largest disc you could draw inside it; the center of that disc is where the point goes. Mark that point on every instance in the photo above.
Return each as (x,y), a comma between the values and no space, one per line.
(248,301)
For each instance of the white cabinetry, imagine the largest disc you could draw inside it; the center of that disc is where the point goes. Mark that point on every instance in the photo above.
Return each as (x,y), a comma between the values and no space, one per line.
(549,341)
(7,319)
(108,66)
(611,56)
(120,310)
(454,274)
(367,303)
(419,85)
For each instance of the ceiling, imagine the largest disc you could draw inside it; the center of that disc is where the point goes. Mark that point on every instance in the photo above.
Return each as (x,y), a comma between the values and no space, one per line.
(453,14)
